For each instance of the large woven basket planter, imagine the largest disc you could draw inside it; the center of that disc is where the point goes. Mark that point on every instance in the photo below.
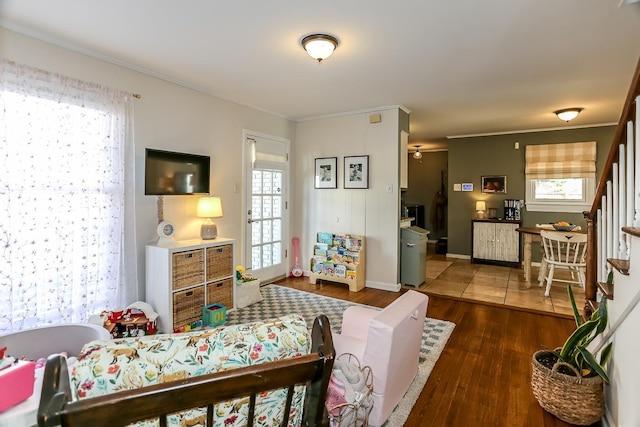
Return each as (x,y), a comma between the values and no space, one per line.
(573,399)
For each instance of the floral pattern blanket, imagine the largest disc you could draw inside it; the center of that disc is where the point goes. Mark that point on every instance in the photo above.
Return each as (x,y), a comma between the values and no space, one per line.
(105,367)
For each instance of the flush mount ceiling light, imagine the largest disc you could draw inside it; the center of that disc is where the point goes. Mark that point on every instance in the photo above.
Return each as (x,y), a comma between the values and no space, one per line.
(568,114)
(417,154)
(319,46)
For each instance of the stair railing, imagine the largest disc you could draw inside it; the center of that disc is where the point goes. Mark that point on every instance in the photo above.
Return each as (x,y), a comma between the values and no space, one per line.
(616,207)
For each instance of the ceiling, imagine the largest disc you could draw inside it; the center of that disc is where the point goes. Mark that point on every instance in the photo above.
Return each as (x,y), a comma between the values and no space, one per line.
(461,67)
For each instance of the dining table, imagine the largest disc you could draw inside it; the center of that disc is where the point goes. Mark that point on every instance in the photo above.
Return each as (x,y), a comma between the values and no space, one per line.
(530,235)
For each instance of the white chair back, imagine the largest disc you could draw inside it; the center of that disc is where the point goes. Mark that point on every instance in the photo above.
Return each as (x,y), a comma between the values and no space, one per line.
(566,250)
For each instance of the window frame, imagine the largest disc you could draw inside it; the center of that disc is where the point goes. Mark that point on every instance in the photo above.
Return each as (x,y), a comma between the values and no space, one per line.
(556,205)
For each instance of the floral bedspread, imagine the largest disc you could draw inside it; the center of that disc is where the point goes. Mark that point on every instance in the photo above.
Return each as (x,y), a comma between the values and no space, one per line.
(105,367)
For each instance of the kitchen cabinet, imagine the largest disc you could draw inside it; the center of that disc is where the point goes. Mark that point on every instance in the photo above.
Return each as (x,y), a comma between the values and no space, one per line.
(495,242)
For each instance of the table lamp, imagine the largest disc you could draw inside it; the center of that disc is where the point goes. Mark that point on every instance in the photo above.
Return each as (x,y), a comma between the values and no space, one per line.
(209,207)
(481,207)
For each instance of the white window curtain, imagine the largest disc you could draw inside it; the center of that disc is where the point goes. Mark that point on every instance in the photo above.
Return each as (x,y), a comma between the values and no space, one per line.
(67,229)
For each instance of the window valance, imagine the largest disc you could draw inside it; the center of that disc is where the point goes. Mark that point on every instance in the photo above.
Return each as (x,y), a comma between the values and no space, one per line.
(552,161)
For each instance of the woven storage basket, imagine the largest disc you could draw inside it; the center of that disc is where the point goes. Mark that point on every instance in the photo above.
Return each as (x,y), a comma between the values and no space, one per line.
(187,306)
(219,262)
(220,292)
(573,399)
(188,268)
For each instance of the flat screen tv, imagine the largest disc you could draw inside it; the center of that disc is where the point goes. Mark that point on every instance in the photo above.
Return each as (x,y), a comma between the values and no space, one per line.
(171,173)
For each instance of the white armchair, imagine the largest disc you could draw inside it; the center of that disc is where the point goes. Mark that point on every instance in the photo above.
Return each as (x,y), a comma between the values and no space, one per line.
(389,342)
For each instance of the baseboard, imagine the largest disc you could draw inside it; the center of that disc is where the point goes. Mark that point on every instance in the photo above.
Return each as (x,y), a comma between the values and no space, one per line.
(450,255)
(383,286)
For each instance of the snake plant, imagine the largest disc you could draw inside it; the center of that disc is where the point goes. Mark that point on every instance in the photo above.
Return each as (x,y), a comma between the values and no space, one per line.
(575,352)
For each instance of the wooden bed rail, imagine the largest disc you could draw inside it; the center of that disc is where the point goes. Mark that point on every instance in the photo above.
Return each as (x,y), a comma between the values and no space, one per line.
(160,400)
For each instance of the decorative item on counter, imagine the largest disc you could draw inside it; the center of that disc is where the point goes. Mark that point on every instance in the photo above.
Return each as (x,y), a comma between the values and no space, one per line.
(564,226)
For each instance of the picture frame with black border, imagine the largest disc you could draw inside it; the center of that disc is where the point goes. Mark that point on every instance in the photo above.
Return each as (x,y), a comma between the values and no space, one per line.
(494,184)
(326,172)
(356,172)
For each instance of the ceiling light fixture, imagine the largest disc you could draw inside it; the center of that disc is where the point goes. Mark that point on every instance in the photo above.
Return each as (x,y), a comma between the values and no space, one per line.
(417,154)
(568,114)
(319,46)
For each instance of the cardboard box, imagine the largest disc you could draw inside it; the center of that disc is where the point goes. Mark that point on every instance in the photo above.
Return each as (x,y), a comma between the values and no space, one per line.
(16,383)
(214,315)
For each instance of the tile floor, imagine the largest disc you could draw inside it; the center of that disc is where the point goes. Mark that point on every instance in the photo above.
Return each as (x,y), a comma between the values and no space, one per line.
(494,284)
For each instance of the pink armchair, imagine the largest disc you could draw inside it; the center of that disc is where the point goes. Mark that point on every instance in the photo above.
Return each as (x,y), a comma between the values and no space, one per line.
(389,342)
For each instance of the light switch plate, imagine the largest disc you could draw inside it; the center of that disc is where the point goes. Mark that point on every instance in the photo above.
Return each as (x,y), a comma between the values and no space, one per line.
(466,186)
(457,187)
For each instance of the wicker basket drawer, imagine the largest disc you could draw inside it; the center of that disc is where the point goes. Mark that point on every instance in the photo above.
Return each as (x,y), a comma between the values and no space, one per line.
(187,306)
(188,268)
(219,262)
(221,293)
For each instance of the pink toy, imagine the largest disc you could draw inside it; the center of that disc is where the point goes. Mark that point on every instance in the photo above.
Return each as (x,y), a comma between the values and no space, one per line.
(16,383)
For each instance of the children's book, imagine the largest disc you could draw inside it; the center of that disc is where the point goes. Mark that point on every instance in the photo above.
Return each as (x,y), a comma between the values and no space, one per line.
(340,271)
(328,268)
(353,244)
(324,237)
(321,249)
(351,274)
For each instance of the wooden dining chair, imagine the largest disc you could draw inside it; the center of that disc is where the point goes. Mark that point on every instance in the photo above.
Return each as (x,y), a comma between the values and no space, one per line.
(563,250)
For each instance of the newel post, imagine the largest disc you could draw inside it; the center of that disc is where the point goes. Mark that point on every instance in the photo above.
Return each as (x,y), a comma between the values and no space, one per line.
(590,291)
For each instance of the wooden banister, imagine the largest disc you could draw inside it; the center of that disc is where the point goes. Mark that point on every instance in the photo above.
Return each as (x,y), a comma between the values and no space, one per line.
(620,137)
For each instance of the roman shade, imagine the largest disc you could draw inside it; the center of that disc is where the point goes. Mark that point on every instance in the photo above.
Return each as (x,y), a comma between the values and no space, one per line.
(268,154)
(552,161)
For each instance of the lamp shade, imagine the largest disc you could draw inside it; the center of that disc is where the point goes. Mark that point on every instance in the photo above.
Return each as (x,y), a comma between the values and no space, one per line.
(209,207)
(319,46)
(481,205)
(568,114)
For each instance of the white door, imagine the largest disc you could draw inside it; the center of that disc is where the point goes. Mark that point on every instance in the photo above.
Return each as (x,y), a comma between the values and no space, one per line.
(266,205)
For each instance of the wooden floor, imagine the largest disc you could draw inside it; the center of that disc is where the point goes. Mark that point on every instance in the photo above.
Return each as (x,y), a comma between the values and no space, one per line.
(483,376)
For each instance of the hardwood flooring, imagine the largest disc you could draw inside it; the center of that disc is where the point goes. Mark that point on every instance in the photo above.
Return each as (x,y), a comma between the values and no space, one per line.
(483,376)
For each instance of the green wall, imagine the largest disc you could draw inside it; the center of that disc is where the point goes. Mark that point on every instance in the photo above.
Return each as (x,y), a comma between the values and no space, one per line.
(424,182)
(474,157)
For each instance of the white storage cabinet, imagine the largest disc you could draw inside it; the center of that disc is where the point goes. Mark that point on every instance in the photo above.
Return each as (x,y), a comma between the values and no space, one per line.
(496,242)
(184,276)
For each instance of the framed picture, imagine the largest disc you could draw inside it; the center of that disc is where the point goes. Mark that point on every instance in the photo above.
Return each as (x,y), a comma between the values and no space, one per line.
(326,172)
(494,184)
(356,172)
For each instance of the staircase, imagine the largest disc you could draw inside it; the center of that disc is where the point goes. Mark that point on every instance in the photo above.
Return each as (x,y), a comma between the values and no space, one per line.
(613,229)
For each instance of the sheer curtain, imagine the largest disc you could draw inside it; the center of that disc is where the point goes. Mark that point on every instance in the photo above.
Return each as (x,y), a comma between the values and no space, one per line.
(67,229)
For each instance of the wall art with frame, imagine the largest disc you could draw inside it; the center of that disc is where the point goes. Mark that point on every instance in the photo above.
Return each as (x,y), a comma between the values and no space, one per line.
(326,172)
(494,184)
(356,172)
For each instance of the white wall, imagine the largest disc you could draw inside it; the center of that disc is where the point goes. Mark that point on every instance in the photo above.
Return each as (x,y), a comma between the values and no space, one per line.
(372,212)
(623,368)
(168,117)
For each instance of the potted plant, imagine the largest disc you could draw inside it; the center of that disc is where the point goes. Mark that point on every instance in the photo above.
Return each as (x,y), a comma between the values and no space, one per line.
(568,381)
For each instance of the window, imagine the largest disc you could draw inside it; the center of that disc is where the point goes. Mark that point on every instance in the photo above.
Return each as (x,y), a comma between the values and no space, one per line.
(560,195)
(560,177)
(64,197)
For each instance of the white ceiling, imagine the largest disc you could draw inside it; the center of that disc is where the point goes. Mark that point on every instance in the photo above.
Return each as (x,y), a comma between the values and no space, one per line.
(461,67)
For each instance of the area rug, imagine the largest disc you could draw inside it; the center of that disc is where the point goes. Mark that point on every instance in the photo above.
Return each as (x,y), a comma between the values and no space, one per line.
(279,301)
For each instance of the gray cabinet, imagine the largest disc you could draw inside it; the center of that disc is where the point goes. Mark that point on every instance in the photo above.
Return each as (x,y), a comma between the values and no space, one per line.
(495,242)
